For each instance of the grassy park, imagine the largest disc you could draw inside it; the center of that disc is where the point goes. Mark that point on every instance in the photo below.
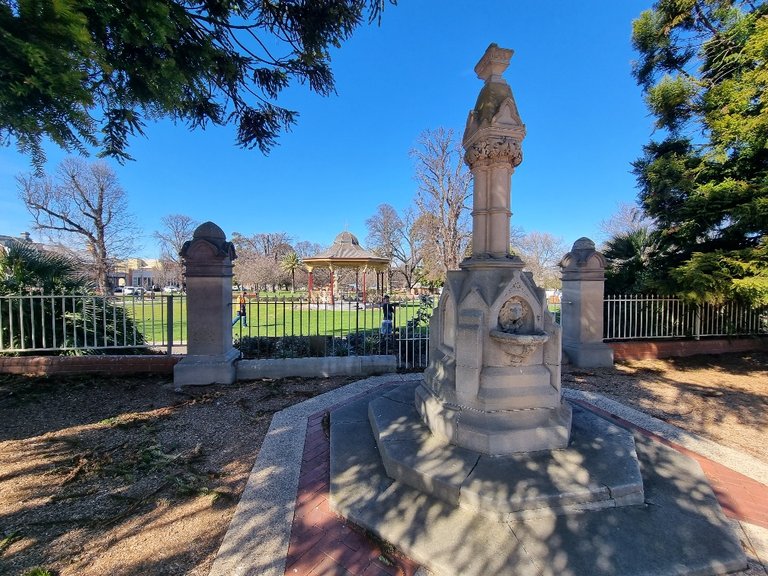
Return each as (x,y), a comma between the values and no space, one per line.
(270,316)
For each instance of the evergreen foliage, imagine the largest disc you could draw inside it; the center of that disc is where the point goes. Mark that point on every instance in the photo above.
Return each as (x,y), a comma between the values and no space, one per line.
(90,73)
(628,269)
(704,69)
(28,320)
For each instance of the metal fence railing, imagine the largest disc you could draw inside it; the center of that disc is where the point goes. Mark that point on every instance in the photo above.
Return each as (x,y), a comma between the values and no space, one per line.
(78,323)
(284,327)
(276,327)
(635,317)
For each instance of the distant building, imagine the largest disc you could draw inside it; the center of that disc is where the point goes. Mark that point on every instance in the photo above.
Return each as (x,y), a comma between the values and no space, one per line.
(144,272)
(8,240)
(26,238)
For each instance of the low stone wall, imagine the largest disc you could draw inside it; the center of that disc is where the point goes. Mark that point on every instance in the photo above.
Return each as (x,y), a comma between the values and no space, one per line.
(649,349)
(314,367)
(246,369)
(119,364)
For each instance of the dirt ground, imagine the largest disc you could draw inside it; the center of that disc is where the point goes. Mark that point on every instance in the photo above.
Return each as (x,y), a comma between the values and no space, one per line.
(128,476)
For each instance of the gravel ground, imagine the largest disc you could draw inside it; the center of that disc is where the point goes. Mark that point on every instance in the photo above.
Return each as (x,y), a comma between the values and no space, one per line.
(723,398)
(129,476)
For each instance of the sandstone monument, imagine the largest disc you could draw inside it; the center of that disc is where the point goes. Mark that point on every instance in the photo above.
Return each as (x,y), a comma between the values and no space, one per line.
(482,468)
(494,380)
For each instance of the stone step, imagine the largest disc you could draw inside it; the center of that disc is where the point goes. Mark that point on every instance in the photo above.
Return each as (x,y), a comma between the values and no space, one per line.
(599,468)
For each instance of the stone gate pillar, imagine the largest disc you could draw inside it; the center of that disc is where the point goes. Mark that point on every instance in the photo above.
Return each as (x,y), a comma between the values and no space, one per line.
(208,269)
(581,306)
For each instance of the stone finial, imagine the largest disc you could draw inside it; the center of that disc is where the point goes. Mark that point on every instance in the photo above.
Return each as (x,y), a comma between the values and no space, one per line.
(494,128)
(208,241)
(583,261)
(493,64)
(209,230)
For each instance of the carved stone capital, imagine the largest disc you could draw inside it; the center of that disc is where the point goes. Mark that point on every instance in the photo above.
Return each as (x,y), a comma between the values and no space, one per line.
(497,149)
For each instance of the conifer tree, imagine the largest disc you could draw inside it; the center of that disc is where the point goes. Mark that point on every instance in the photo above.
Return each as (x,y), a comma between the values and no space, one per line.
(89,73)
(703,66)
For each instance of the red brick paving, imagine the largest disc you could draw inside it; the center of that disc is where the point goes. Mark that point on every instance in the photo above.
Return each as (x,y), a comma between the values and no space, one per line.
(741,497)
(322,543)
(325,544)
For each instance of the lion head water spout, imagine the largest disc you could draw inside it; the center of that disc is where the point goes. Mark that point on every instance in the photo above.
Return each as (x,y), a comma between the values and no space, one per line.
(512,336)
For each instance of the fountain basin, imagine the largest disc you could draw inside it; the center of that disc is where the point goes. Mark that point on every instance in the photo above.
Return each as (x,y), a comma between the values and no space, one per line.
(518,347)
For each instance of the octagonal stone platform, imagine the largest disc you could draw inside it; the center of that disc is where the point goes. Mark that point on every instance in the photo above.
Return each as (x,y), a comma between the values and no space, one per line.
(598,469)
(679,528)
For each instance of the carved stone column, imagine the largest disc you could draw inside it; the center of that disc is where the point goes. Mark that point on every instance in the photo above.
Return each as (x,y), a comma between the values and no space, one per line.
(582,306)
(208,269)
(492,140)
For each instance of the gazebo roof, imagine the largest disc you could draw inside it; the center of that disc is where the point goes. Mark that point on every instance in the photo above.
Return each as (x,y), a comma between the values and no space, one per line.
(346,252)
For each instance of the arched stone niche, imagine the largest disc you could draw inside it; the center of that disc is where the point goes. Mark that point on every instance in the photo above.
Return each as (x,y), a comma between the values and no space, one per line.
(449,323)
(519,297)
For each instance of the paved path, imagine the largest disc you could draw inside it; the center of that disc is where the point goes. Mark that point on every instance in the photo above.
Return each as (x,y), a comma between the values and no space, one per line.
(283,525)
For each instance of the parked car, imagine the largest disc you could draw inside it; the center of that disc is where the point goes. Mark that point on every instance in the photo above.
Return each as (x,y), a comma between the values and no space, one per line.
(135,291)
(171,289)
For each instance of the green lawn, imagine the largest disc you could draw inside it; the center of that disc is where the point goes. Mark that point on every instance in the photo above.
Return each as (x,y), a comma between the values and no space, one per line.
(266,317)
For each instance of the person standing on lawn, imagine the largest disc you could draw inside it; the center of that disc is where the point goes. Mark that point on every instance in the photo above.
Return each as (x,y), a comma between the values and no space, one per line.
(242,312)
(388,311)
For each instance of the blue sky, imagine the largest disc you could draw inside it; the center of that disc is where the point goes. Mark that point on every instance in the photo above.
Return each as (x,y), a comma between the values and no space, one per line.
(585,118)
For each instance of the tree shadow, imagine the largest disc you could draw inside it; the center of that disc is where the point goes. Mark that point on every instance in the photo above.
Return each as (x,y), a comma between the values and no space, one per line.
(719,397)
(110,497)
(679,523)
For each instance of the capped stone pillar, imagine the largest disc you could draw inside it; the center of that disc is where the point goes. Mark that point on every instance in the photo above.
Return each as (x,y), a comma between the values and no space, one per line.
(210,355)
(581,310)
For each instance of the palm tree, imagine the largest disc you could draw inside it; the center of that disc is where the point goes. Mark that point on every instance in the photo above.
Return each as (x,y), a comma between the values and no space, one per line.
(290,263)
(34,315)
(629,257)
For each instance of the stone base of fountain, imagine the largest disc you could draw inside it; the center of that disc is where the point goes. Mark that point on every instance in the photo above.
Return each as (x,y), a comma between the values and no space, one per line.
(499,432)
(597,469)
(580,511)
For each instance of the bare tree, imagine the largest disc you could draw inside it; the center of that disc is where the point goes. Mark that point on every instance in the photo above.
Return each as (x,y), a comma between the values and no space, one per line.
(177,229)
(275,244)
(443,215)
(394,237)
(306,249)
(259,259)
(541,253)
(83,202)
(628,219)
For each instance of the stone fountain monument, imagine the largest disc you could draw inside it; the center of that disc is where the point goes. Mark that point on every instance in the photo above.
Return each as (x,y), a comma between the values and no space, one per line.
(494,381)
(481,467)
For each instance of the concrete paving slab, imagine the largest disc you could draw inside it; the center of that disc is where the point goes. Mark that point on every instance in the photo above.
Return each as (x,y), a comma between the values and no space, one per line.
(396,421)
(404,394)
(680,530)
